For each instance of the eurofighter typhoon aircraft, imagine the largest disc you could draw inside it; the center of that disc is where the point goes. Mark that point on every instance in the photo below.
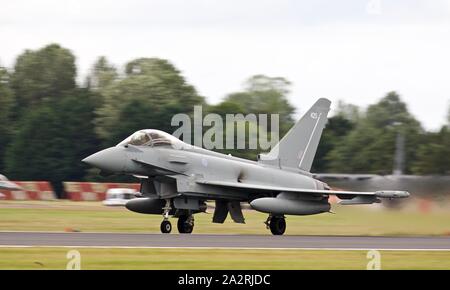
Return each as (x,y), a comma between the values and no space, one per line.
(180,178)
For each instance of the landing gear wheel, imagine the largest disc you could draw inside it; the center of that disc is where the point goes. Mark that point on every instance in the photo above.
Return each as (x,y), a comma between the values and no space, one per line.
(185,224)
(166,227)
(277,225)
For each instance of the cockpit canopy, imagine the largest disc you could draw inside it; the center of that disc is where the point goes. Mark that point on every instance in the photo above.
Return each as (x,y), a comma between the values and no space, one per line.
(151,137)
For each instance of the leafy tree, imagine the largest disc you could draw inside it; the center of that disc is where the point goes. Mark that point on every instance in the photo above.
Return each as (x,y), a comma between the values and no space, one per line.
(42,74)
(102,74)
(448,116)
(347,111)
(152,86)
(261,95)
(53,139)
(266,95)
(135,116)
(342,123)
(370,147)
(337,128)
(226,107)
(6,105)
(433,157)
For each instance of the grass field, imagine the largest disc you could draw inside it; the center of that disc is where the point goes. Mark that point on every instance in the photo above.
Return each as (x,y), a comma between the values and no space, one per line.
(93,217)
(55,258)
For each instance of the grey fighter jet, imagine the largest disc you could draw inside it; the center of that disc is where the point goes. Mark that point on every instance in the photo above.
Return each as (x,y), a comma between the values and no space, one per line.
(178,178)
(8,185)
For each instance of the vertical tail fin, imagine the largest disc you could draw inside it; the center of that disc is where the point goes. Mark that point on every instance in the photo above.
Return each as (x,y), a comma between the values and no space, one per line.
(296,150)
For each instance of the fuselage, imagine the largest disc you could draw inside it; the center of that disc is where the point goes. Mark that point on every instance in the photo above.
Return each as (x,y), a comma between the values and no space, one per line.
(187,164)
(216,166)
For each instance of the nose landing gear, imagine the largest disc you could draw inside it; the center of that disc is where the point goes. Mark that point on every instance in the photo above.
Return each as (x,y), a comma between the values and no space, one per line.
(166,226)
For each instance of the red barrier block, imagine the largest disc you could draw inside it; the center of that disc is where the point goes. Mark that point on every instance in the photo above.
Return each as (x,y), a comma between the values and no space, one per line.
(93,191)
(32,190)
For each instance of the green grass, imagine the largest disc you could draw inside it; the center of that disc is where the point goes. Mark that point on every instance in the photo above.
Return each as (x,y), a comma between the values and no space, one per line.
(91,258)
(92,216)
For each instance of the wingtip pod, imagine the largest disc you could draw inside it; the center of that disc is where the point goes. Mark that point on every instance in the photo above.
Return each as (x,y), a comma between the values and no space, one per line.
(392,194)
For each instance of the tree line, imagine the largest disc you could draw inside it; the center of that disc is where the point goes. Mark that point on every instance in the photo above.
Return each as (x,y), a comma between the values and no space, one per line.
(49,122)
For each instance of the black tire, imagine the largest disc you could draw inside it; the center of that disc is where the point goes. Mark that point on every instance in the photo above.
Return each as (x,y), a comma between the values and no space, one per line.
(277,225)
(184,227)
(166,227)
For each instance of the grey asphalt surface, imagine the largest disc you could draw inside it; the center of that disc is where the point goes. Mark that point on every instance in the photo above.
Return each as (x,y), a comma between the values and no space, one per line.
(220,241)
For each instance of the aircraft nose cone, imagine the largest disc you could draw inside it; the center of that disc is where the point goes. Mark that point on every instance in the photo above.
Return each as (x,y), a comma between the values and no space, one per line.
(112,159)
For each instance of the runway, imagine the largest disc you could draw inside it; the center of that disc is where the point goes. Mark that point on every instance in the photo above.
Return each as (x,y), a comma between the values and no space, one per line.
(220,241)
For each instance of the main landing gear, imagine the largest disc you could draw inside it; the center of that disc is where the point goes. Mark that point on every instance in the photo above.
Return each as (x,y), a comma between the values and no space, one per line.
(276,224)
(185,222)
(185,225)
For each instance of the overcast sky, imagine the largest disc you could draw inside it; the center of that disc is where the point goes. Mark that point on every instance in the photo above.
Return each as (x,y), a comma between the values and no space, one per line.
(354,50)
